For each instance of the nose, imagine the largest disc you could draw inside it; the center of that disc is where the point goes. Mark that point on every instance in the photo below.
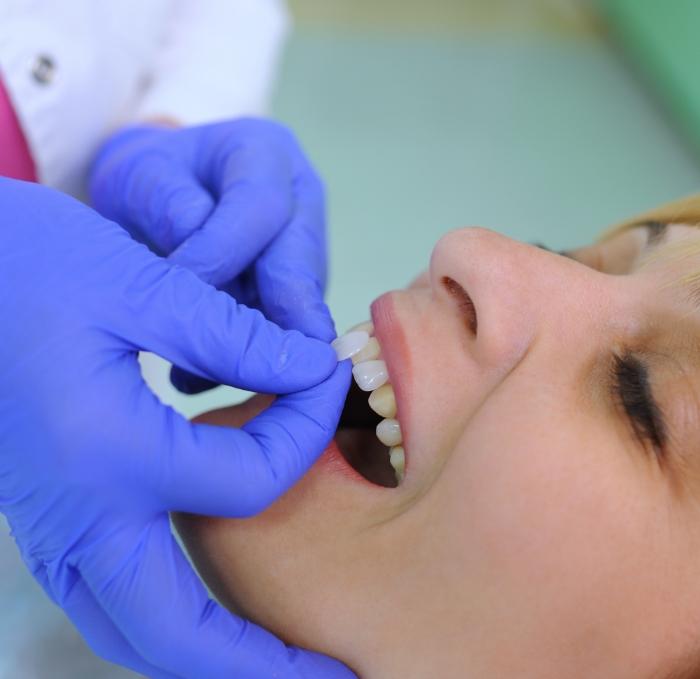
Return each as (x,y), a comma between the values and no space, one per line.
(519,292)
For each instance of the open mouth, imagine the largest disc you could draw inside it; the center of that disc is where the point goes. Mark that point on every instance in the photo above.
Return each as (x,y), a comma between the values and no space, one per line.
(369,436)
(358,443)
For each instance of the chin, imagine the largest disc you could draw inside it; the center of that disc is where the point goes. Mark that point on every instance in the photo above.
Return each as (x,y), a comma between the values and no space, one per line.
(263,568)
(292,568)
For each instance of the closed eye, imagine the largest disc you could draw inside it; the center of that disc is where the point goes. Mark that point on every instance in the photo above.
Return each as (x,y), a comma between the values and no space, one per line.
(632,388)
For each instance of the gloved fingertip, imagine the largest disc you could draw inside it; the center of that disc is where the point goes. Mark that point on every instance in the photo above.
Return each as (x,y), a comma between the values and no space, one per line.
(343,372)
(315,665)
(187,383)
(320,324)
(304,311)
(307,361)
(315,322)
(196,255)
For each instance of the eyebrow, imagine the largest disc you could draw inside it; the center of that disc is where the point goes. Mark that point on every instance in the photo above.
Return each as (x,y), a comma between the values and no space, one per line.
(656,233)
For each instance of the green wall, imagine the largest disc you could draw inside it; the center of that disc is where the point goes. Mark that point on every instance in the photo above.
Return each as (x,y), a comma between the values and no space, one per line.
(661,40)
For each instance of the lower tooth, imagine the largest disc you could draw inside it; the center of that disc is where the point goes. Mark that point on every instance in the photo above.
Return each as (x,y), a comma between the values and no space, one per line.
(389,432)
(397,458)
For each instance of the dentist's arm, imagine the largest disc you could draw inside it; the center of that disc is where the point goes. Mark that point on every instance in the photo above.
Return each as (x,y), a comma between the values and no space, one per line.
(91,462)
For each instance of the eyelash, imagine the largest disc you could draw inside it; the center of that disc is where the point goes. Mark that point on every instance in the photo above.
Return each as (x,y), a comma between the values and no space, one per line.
(632,389)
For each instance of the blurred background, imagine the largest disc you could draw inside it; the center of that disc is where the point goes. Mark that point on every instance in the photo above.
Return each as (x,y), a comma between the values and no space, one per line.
(543,119)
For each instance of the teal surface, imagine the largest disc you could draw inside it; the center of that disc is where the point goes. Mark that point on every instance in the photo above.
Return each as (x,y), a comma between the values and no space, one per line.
(539,138)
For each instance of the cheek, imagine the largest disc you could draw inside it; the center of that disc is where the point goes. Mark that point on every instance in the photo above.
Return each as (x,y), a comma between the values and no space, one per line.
(545,507)
(553,522)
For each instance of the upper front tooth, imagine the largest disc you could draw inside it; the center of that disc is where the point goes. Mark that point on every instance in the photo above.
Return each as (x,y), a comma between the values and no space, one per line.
(350,343)
(370,351)
(383,401)
(389,432)
(370,375)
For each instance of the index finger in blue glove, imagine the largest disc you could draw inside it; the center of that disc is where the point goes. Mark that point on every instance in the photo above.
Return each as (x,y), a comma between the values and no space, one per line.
(194,636)
(219,471)
(291,272)
(253,189)
(244,290)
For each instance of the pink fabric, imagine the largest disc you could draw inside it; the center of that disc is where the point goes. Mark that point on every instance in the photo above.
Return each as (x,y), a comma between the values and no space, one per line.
(15,157)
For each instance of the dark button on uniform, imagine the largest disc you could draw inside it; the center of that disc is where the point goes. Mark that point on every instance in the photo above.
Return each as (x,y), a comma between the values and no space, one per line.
(43,69)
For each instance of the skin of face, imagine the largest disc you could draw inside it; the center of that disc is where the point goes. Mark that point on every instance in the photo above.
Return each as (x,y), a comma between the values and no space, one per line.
(535,534)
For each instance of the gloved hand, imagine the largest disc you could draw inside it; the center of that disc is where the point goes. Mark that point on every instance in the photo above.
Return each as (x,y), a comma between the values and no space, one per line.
(235,202)
(91,461)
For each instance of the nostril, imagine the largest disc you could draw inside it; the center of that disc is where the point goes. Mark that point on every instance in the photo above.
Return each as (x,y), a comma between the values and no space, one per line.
(464,301)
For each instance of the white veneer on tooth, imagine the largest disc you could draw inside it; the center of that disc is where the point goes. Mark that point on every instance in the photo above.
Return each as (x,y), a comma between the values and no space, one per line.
(383,401)
(349,344)
(370,352)
(397,458)
(370,375)
(367,326)
(389,432)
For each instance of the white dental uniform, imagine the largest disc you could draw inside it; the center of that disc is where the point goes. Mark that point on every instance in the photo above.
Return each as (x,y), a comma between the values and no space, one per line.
(75,70)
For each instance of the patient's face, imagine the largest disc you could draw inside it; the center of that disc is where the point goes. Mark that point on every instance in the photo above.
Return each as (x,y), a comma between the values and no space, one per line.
(548,524)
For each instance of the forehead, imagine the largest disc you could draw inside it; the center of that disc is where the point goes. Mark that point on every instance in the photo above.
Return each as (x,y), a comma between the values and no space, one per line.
(650,242)
(669,252)
(662,261)
(648,245)
(667,243)
(665,259)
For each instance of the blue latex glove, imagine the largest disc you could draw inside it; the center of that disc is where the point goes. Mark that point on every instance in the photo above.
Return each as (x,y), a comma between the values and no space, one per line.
(91,461)
(236,202)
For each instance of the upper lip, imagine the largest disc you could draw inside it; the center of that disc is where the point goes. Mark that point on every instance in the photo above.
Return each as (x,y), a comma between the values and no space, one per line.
(395,353)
